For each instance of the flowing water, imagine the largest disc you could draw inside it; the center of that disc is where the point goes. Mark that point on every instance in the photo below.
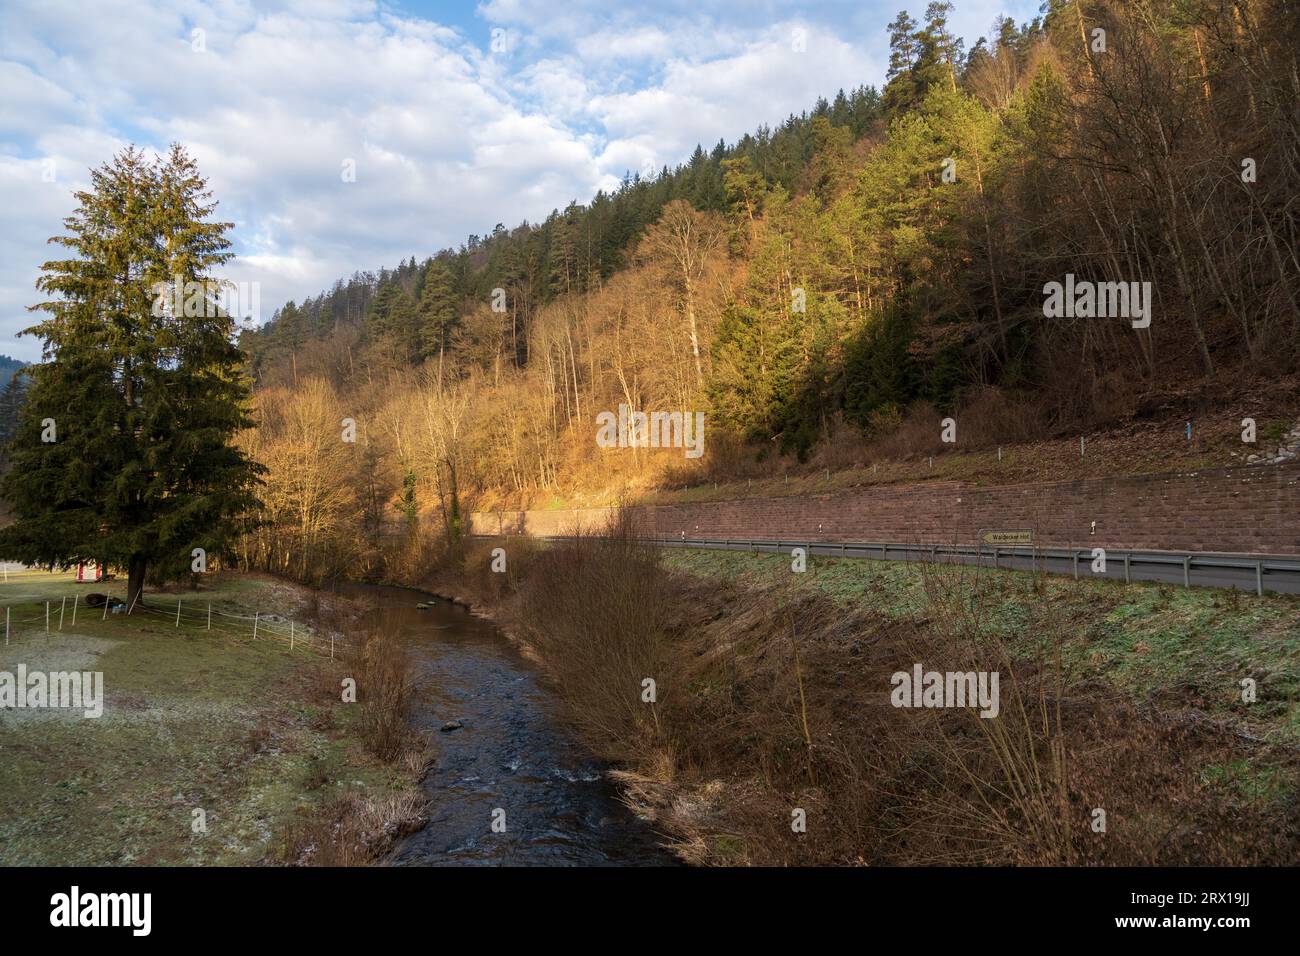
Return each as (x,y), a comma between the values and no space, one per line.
(512,754)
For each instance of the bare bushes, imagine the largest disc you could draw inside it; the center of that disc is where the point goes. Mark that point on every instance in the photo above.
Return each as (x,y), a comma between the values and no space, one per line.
(777,735)
(383,685)
(594,610)
(1068,772)
(495,568)
(357,829)
(993,416)
(982,787)
(776,708)
(986,417)
(352,830)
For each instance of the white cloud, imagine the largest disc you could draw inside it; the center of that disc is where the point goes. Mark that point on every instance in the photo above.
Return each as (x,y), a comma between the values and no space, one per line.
(700,102)
(449,137)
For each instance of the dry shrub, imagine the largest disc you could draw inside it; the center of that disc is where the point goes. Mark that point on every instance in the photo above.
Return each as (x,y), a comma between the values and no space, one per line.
(258,738)
(593,609)
(985,417)
(971,789)
(728,458)
(408,557)
(384,689)
(992,416)
(1023,788)
(903,437)
(521,551)
(351,830)
(1082,395)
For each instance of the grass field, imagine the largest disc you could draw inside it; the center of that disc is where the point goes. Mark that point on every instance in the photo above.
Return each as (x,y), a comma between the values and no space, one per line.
(252,733)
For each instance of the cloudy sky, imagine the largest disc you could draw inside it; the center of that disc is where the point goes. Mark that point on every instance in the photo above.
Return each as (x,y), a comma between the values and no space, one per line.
(456,116)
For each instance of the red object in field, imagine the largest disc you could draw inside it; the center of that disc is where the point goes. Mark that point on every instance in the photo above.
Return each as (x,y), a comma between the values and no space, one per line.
(89,573)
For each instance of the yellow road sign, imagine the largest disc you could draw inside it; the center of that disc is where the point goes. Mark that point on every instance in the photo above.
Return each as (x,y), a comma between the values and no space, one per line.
(1022,536)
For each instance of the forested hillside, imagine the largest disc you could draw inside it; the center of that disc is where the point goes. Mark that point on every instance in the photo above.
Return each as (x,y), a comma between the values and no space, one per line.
(13,391)
(884,255)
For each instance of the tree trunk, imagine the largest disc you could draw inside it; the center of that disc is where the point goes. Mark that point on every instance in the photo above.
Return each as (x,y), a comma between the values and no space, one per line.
(695,333)
(135,580)
(453,513)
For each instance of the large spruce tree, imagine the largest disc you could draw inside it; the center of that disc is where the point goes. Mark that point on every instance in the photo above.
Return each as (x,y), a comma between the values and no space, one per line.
(141,393)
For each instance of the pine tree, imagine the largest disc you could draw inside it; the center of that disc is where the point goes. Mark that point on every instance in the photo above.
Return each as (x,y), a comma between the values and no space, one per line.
(12,397)
(124,451)
(437,310)
(947,47)
(832,161)
(393,317)
(905,56)
(902,46)
(745,190)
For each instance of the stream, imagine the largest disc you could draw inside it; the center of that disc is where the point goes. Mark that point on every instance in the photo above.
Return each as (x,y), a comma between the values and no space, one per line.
(512,754)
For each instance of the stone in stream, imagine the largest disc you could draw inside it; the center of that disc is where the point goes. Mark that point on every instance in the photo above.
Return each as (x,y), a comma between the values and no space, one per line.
(452,725)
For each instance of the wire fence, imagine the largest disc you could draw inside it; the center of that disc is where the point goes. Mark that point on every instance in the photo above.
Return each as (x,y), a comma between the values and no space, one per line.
(59,614)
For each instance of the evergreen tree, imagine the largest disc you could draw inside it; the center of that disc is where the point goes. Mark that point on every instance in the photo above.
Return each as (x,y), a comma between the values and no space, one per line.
(408,506)
(437,310)
(124,450)
(947,48)
(12,397)
(393,317)
(900,90)
(831,164)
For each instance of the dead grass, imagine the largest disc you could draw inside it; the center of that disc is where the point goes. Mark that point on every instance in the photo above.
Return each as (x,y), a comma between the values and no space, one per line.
(352,830)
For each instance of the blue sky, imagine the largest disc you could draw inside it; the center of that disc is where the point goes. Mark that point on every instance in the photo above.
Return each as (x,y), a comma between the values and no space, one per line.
(457,116)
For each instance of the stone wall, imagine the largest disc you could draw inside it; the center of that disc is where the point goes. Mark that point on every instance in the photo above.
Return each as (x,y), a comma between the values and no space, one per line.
(1253,509)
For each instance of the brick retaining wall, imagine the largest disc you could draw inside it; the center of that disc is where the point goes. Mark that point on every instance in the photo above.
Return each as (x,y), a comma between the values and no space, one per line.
(1254,509)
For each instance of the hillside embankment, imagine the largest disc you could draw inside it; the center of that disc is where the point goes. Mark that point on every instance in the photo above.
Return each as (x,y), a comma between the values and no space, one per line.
(749,708)
(983,453)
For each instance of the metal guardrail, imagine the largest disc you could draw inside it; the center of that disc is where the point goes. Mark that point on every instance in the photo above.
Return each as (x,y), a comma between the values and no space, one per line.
(1260,573)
